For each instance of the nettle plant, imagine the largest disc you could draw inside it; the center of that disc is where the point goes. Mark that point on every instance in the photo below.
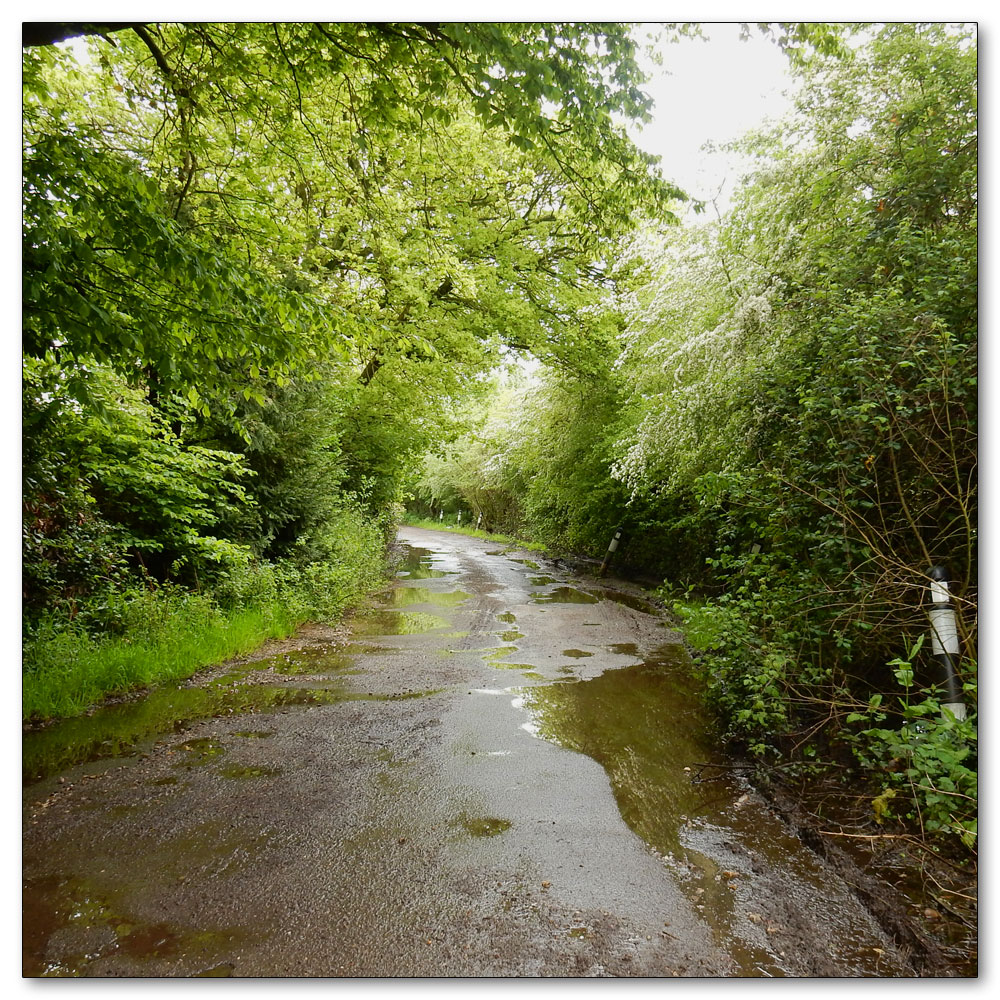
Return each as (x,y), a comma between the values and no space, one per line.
(927,757)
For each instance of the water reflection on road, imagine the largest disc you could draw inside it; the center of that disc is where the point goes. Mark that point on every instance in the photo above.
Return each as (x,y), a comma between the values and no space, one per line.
(489,645)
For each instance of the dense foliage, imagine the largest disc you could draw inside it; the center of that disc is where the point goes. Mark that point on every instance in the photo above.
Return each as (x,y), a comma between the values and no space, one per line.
(786,426)
(260,263)
(268,268)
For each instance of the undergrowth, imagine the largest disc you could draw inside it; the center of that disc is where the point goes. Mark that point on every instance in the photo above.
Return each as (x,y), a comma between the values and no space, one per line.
(124,639)
(914,762)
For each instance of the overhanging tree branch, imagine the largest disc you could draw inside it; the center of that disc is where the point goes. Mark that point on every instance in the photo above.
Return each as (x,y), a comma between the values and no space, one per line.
(35,33)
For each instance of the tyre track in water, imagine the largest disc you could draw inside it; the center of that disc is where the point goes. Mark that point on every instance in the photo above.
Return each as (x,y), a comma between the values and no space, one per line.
(500,774)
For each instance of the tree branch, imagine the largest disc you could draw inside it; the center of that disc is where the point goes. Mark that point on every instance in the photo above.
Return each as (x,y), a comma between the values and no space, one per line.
(34,33)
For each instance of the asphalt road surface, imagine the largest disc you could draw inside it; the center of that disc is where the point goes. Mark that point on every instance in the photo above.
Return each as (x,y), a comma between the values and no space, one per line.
(503,772)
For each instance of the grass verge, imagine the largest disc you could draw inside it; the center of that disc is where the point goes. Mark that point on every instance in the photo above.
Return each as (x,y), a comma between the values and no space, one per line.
(67,670)
(123,640)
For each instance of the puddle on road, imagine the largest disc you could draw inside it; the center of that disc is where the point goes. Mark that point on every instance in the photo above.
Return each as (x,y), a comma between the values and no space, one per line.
(119,730)
(115,731)
(500,653)
(403,597)
(481,826)
(655,730)
(576,654)
(635,603)
(419,565)
(389,621)
(527,562)
(239,771)
(197,753)
(308,661)
(71,923)
(623,648)
(644,724)
(563,595)
(571,595)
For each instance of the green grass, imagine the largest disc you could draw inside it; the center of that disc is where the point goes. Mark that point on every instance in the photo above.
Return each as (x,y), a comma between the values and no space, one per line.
(67,670)
(413,521)
(139,636)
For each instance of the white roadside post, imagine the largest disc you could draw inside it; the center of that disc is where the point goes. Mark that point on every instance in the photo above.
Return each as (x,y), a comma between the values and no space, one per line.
(944,639)
(459,518)
(479,520)
(611,550)
(441,514)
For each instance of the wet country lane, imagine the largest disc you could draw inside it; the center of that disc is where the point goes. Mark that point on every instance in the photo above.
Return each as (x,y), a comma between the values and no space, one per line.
(505,772)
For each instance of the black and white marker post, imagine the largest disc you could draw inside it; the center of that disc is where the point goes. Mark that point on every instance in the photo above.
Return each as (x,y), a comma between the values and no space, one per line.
(944,639)
(611,549)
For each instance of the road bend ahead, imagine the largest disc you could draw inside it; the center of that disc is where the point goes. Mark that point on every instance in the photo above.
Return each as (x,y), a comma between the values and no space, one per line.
(503,773)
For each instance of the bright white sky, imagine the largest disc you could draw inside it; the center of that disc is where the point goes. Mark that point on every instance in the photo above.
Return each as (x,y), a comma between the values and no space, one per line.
(711,89)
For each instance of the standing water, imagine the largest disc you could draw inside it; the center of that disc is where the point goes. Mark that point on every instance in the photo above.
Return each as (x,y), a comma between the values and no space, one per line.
(584,685)
(644,724)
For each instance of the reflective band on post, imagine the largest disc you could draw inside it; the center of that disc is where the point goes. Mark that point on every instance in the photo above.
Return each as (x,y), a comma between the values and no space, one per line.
(944,631)
(945,645)
(611,548)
